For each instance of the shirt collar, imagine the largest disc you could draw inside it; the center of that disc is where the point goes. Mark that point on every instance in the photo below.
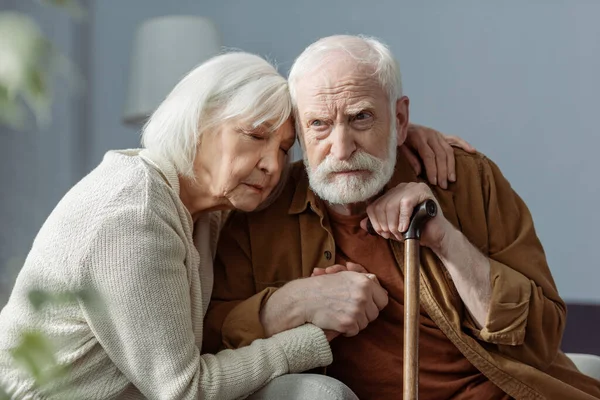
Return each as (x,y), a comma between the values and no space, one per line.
(303,195)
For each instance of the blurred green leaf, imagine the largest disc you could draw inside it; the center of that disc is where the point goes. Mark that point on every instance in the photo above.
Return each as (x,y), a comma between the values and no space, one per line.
(41,298)
(38,298)
(29,65)
(4,395)
(91,299)
(25,69)
(35,354)
(37,83)
(12,112)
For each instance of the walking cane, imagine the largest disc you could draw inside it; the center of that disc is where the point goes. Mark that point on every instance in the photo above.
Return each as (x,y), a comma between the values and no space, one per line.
(421,214)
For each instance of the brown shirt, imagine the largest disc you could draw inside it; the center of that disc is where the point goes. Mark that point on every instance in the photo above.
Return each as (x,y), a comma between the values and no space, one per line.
(518,349)
(444,373)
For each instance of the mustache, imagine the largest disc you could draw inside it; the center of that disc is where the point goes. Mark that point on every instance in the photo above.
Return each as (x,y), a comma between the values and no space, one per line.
(360,160)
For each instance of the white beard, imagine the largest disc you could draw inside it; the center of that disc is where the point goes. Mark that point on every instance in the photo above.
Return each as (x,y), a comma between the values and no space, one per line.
(340,189)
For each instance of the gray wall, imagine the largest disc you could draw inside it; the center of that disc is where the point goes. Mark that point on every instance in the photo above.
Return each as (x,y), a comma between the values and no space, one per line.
(38,166)
(516,78)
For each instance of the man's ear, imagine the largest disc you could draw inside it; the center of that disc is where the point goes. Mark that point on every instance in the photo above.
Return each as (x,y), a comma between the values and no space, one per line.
(402,105)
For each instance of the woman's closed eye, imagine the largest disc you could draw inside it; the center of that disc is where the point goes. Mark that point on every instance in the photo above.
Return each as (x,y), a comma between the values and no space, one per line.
(251,133)
(254,136)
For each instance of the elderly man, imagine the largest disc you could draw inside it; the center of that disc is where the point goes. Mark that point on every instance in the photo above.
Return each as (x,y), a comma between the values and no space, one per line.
(491,319)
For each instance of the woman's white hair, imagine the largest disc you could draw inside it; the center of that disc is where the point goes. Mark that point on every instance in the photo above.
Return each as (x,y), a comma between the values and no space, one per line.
(232,85)
(367,51)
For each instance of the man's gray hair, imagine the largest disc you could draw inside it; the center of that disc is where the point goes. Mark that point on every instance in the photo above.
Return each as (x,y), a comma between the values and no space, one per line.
(365,50)
(232,85)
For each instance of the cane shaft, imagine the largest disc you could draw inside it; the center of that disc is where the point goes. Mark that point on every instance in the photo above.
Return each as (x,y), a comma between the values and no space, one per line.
(411,319)
(421,214)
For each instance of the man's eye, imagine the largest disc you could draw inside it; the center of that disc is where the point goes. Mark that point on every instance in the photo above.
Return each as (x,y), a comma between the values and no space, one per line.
(361,116)
(317,123)
(363,120)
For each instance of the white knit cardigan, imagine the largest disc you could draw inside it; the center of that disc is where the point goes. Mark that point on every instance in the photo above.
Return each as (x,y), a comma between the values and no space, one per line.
(123,233)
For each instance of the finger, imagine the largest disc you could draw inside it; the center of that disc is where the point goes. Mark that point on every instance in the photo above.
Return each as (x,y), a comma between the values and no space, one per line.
(352,331)
(363,224)
(461,143)
(450,160)
(372,311)
(380,297)
(362,320)
(428,155)
(381,210)
(318,272)
(407,206)
(377,217)
(393,218)
(373,277)
(351,266)
(335,269)
(412,159)
(401,227)
(372,217)
(441,163)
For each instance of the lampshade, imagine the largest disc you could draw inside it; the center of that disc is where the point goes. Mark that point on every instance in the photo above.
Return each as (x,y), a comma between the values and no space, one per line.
(164,50)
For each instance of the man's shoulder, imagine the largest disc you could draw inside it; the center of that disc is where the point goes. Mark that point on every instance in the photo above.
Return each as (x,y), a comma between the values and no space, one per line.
(476,174)
(463,157)
(471,165)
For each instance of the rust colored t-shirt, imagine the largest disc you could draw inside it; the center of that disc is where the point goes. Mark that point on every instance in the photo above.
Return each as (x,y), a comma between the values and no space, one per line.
(444,373)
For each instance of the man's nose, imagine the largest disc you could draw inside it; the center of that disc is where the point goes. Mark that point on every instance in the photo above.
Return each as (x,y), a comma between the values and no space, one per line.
(343,145)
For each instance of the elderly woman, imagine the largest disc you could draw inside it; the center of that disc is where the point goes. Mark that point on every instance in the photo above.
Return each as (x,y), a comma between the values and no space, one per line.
(140,232)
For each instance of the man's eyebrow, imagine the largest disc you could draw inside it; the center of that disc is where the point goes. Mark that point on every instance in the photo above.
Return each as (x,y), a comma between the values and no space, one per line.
(358,107)
(315,114)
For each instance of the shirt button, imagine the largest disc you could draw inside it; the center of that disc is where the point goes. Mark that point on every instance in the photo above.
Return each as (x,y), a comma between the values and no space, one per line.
(328,255)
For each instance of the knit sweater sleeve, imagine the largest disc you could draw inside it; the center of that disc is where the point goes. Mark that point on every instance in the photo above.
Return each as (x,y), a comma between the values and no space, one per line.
(135,265)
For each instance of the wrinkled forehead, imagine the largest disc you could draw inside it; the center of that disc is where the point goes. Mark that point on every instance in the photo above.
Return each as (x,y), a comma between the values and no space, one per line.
(339,84)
